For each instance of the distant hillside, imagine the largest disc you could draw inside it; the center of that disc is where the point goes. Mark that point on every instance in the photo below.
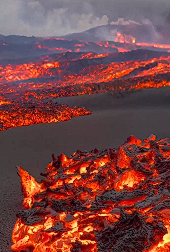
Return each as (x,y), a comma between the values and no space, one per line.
(142,32)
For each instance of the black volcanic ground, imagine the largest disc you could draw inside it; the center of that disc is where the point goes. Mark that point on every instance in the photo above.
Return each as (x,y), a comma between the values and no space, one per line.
(113,120)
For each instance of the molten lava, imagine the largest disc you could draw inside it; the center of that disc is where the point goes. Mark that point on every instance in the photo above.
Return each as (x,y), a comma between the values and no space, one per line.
(48,75)
(58,75)
(86,69)
(17,114)
(26,71)
(111,200)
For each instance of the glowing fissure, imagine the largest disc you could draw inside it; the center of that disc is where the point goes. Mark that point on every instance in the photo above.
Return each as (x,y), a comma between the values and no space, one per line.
(110,200)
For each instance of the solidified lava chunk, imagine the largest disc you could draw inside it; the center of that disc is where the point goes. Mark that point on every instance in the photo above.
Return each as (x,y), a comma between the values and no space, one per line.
(111,200)
(130,233)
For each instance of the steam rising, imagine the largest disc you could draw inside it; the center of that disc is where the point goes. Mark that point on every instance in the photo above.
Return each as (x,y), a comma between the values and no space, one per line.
(61,17)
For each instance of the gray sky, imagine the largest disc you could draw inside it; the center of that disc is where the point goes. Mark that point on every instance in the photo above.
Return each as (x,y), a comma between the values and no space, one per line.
(60,17)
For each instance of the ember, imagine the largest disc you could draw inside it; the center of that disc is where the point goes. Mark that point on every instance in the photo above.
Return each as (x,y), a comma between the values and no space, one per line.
(111,200)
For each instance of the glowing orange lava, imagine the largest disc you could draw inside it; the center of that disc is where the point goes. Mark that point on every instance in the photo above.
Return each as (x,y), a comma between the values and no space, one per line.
(30,84)
(18,114)
(58,74)
(95,201)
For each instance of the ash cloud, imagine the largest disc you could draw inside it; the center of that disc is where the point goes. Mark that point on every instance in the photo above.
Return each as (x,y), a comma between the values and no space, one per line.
(61,17)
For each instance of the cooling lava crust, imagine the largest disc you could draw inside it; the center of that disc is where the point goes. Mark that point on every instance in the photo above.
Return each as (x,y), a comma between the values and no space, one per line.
(112,200)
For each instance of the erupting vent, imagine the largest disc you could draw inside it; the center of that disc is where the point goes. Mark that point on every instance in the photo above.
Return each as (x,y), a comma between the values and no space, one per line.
(111,200)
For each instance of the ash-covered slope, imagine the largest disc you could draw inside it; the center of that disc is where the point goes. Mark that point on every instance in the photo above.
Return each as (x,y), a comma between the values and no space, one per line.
(87,58)
(102,39)
(22,46)
(146,33)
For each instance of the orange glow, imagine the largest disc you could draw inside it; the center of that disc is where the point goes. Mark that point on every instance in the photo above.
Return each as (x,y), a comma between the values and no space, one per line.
(125,38)
(85,80)
(77,214)
(122,43)
(26,71)
(128,39)
(54,48)
(30,187)
(5,102)
(23,114)
(166,238)
(160,46)
(25,87)
(129,179)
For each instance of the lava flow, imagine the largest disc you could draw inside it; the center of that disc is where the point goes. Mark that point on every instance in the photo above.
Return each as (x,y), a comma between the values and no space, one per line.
(111,200)
(69,74)
(17,114)
(26,71)
(83,69)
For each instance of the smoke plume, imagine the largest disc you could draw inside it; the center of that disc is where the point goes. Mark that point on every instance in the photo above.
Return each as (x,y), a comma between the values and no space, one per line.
(60,17)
